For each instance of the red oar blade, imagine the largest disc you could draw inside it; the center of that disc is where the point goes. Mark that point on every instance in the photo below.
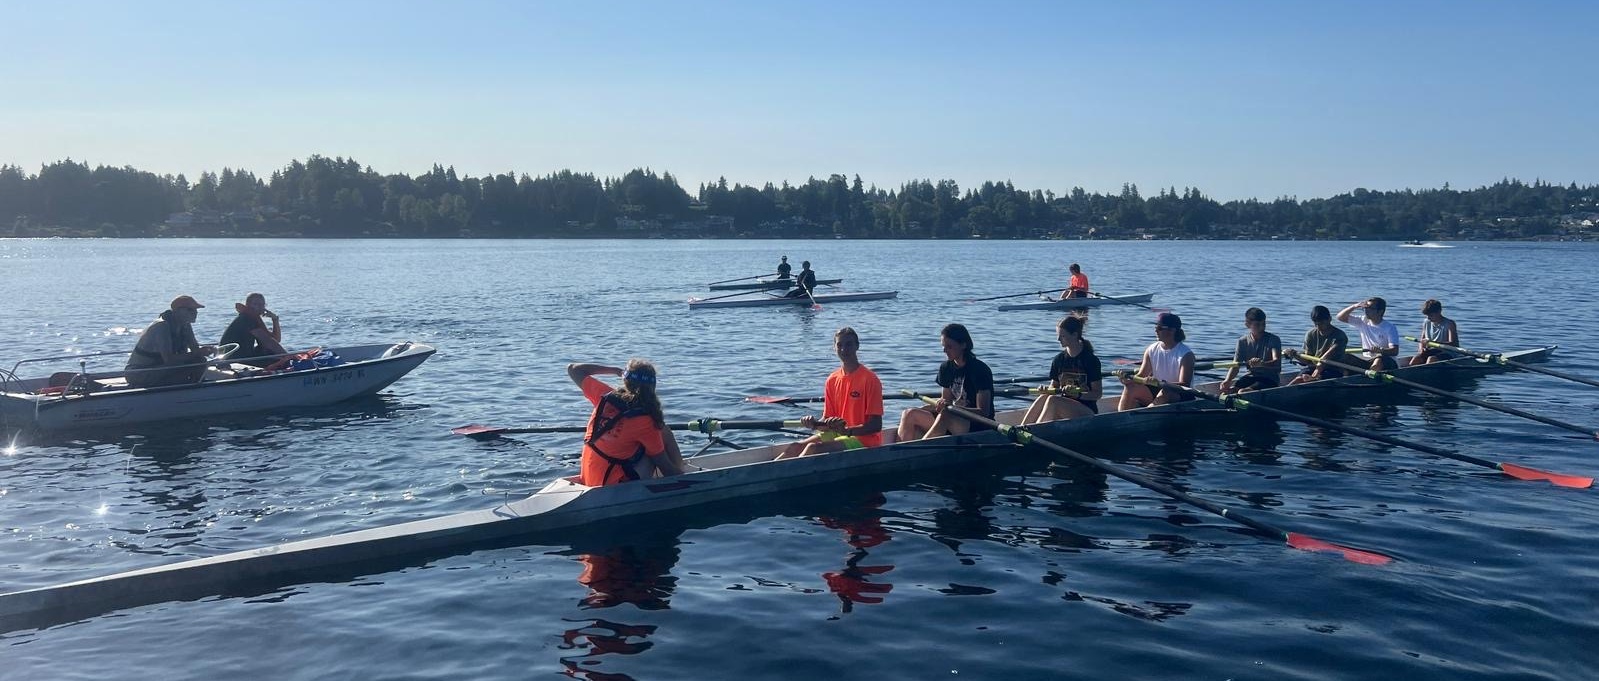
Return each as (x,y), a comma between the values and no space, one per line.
(476,430)
(1525,473)
(1309,543)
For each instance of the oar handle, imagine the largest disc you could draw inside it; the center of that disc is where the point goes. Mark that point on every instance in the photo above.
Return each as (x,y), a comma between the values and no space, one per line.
(708,426)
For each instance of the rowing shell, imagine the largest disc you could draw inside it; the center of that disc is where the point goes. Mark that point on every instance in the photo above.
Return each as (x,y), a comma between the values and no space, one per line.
(756,300)
(768,284)
(1078,303)
(564,503)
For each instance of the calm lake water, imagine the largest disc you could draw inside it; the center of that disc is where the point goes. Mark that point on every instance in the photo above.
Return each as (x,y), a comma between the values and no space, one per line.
(1026,567)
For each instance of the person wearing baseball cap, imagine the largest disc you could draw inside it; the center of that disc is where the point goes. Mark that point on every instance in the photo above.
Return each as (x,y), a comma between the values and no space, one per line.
(167,352)
(1168,359)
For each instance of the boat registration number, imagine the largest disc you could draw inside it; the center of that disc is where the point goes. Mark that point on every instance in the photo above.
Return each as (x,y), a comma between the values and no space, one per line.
(334,377)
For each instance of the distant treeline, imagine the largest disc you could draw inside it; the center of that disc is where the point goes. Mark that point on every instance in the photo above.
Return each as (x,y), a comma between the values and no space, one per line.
(338,197)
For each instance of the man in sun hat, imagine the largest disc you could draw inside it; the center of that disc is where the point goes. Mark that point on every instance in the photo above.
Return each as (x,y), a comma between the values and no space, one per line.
(169,342)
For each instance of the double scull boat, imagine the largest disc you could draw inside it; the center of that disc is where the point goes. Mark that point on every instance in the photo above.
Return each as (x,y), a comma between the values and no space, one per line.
(767,300)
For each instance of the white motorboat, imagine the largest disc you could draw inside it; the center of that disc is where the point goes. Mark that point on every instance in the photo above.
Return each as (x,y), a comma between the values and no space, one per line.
(67,400)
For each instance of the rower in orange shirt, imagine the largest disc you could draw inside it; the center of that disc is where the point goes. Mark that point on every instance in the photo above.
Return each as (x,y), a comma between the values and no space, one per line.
(1078,287)
(627,438)
(852,407)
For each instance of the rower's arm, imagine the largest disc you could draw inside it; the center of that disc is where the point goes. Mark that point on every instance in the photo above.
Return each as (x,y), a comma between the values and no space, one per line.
(1343,315)
(873,425)
(985,401)
(577,372)
(1452,334)
(1094,391)
(670,461)
(1185,373)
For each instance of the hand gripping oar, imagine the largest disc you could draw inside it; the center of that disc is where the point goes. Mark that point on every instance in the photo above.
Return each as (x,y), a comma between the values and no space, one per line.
(707,426)
(1499,359)
(1385,376)
(729,281)
(1022,436)
(1510,469)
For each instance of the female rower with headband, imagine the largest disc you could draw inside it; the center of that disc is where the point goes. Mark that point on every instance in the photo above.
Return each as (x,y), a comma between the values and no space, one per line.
(627,438)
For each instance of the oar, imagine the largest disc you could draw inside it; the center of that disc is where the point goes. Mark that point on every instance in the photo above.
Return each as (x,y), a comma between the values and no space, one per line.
(1013,295)
(1513,470)
(1498,358)
(1022,436)
(729,281)
(1223,362)
(1124,301)
(1384,376)
(725,295)
(707,426)
(814,305)
(1002,392)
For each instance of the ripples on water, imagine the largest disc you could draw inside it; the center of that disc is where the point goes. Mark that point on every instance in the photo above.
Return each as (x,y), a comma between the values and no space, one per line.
(1026,567)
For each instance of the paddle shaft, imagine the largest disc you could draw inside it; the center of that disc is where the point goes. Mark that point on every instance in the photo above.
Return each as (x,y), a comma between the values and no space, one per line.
(1500,359)
(706,426)
(1384,376)
(724,295)
(729,281)
(1119,300)
(1242,404)
(1013,295)
(1022,436)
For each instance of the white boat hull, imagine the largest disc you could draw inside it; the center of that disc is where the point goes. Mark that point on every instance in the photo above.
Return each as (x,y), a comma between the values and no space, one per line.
(1079,303)
(780,301)
(367,369)
(564,504)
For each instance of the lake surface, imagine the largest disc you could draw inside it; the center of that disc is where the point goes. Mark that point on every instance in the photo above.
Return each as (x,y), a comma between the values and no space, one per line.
(1025,567)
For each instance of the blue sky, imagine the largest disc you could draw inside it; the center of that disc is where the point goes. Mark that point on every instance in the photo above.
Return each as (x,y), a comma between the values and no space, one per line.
(1240,99)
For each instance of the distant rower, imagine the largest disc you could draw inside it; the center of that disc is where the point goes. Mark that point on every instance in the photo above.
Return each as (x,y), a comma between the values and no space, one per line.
(805,283)
(783,268)
(1078,286)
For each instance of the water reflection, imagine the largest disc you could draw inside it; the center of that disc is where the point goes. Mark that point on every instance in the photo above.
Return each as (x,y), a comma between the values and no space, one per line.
(863,529)
(637,573)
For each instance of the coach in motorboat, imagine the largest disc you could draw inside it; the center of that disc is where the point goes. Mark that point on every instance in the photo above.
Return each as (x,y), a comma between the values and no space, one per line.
(250,331)
(169,342)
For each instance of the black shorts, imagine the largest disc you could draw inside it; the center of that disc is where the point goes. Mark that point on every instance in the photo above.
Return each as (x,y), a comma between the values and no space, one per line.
(1326,371)
(1093,405)
(1072,293)
(1434,352)
(1388,363)
(1172,394)
(1256,381)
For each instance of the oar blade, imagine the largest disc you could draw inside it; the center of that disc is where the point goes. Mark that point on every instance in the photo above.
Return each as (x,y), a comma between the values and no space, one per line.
(477,430)
(1308,543)
(768,399)
(1525,473)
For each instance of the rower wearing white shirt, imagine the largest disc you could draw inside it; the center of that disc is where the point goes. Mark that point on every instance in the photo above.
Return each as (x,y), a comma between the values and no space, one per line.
(1379,339)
